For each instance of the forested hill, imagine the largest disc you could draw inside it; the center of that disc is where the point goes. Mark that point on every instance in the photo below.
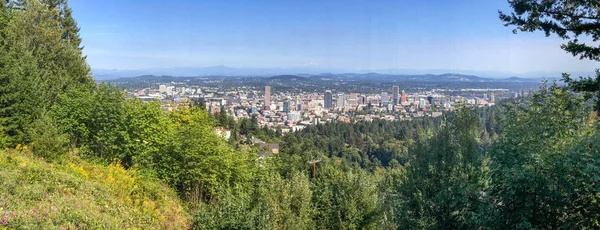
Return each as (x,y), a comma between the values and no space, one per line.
(377,143)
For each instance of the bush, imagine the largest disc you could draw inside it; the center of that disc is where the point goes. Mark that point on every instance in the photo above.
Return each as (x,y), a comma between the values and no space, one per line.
(48,141)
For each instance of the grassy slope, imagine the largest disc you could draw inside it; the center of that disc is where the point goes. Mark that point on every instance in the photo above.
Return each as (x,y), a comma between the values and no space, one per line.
(35,194)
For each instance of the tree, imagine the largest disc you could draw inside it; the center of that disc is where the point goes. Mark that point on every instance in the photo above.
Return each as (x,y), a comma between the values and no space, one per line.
(569,20)
(36,65)
(47,139)
(106,124)
(195,161)
(72,112)
(148,130)
(444,181)
(67,22)
(532,168)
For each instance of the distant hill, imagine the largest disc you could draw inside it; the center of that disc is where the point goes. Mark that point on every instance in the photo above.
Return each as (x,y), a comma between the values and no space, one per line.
(401,78)
(111,74)
(288,78)
(327,77)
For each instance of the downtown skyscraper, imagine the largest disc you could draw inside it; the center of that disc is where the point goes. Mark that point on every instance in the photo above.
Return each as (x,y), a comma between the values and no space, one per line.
(267,97)
(328,100)
(395,95)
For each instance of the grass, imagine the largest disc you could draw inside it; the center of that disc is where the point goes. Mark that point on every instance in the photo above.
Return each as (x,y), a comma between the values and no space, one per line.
(35,194)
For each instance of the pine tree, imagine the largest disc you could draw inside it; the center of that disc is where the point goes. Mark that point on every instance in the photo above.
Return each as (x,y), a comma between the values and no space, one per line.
(37,63)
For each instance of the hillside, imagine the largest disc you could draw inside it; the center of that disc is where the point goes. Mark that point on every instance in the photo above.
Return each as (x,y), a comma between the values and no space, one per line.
(80,195)
(285,78)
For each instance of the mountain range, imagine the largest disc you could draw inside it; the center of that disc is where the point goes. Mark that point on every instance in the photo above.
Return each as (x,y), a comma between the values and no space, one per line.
(107,74)
(449,77)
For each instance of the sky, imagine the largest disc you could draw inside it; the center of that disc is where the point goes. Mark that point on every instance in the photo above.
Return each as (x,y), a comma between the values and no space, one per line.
(345,34)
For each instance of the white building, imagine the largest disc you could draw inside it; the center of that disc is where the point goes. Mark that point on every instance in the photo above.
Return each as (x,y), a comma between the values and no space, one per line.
(162,89)
(294,116)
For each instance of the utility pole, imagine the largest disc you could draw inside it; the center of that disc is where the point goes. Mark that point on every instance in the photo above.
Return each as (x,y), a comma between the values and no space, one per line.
(314,162)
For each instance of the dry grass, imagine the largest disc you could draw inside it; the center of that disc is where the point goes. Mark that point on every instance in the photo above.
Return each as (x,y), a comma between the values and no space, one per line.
(35,194)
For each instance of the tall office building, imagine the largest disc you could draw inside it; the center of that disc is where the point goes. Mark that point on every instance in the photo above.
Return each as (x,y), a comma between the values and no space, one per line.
(341,101)
(385,99)
(362,100)
(267,97)
(328,99)
(286,106)
(492,98)
(395,94)
(403,98)
(522,92)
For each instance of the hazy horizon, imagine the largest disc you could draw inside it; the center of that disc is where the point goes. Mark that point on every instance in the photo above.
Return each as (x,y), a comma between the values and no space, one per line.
(359,35)
(249,71)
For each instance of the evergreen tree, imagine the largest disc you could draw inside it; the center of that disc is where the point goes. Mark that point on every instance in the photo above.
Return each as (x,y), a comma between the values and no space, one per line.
(37,65)
(530,178)
(444,181)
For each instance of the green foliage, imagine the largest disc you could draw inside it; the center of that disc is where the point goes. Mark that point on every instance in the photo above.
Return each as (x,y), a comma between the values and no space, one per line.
(250,128)
(346,199)
(37,64)
(195,160)
(272,203)
(530,184)
(72,112)
(148,131)
(47,140)
(579,172)
(443,183)
(3,137)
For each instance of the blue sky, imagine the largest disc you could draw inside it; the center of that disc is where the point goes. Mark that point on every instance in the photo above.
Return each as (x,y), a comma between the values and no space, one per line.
(366,35)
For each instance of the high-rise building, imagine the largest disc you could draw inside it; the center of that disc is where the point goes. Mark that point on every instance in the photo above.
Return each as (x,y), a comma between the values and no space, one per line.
(267,97)
(362,100)
(162,89)
(385,99)
(395,94)
(492,98)
(286,106)
(430,99)
(328,99)
(403,99)
(341,101)
(351,101)
(522,92)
